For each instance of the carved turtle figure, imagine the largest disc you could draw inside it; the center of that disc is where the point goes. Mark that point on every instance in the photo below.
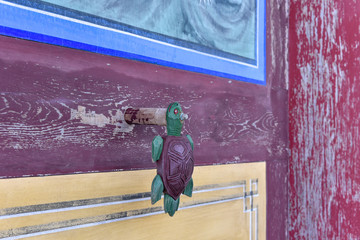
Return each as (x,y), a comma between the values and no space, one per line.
(173,155)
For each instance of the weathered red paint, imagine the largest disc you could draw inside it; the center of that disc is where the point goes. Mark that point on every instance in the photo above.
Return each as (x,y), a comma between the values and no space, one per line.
(324,119)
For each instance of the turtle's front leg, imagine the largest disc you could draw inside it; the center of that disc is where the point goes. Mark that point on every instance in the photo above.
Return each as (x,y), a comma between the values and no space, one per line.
(157,146)
(157,188)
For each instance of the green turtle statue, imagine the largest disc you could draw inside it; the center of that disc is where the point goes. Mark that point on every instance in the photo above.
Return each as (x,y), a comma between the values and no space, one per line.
(174,158)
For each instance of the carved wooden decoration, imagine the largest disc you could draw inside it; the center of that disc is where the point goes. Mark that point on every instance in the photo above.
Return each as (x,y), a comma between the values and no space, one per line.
(174,159)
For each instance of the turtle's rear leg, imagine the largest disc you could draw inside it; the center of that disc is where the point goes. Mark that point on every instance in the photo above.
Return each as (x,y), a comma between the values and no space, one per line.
(170,205)
(189,188)
(157,188)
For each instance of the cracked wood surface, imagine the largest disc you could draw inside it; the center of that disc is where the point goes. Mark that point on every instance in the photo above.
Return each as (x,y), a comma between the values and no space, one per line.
(62,111)
(324,120)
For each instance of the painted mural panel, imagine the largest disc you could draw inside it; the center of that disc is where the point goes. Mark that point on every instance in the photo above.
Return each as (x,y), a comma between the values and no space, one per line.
(225,25)
(221,38)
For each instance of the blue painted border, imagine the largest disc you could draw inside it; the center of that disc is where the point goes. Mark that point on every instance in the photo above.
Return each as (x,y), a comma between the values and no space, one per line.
(34,24)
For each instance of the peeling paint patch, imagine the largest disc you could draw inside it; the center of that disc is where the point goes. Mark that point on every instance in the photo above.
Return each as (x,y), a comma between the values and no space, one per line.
(115,118)
(89,117)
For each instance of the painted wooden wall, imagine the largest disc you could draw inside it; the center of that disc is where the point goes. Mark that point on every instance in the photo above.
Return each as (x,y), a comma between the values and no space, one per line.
(324,52)
(62,113)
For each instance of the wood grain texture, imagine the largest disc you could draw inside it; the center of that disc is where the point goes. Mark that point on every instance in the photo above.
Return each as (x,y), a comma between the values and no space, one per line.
(62,112)
(324,120)
(277,67)
(231,197)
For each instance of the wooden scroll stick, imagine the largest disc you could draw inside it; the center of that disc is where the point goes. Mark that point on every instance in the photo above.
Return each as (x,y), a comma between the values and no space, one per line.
(146,116)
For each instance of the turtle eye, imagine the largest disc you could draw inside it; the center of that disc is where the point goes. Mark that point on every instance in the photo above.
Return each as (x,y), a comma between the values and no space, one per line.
(176,111)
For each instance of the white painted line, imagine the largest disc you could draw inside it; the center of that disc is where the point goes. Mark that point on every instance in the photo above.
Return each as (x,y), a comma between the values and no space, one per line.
(220,188)
(250,211)
(82,226)
(103,204)
(211,203)
(114,220)
(73,208)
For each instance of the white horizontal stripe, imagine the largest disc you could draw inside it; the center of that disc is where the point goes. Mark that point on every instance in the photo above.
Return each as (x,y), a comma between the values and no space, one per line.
(211,203)
(83,226)
(220,188)
(103,204)
(73,208)
(115,220)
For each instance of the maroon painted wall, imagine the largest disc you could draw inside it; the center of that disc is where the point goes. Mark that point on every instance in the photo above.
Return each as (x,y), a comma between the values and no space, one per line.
(50,96)
(324,58)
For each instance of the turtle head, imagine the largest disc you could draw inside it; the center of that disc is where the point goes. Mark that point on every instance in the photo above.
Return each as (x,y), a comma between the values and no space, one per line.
(174,119)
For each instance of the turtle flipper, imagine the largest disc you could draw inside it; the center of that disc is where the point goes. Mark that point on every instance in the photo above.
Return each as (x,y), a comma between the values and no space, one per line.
(170,205)
(189,188)
(157,188)
(157,146)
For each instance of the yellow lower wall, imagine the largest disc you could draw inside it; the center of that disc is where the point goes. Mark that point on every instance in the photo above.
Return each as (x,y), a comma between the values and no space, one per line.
(229,202)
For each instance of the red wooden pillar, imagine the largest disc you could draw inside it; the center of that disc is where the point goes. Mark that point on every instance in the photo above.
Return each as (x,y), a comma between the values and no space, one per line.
(324,119)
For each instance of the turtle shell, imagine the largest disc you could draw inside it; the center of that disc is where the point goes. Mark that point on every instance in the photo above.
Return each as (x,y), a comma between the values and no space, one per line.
(176,164)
